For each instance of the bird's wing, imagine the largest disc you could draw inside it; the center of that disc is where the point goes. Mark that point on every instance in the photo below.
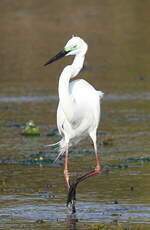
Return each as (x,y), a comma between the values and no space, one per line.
(60,119)
(87,100)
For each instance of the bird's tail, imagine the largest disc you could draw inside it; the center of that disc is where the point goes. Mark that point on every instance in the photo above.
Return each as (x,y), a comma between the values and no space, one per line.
(61,148)
(54,144)
(100,93)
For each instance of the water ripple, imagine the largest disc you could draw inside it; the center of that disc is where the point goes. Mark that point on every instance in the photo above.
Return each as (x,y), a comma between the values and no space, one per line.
(91,212)
(107,97)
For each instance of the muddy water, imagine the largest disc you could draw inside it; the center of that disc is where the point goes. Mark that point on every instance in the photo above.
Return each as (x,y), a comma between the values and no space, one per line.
(32,191)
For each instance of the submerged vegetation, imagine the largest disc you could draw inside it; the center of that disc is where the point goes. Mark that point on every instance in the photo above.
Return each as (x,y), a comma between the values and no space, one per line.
(41,158)
(137,159)
(107,140)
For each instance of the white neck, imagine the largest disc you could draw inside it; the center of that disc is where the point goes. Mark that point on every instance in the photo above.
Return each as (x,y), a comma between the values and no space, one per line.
(77,64)
(65,97)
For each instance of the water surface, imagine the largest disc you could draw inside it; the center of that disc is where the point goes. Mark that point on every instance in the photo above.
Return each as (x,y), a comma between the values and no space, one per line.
(32,190)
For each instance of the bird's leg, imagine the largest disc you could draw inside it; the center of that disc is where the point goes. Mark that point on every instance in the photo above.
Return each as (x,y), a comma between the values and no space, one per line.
(66,172)
(98,165)
(93,172)
(72,196)
(72,190)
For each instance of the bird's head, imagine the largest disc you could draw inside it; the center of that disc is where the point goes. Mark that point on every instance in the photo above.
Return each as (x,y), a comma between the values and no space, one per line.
(74,46)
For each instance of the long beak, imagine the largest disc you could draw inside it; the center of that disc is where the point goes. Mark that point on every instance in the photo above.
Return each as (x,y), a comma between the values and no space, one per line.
(58,56)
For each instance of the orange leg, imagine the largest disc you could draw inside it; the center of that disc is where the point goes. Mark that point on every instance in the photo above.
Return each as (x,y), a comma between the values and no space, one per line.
(93,172)
(66,172)
(72,189)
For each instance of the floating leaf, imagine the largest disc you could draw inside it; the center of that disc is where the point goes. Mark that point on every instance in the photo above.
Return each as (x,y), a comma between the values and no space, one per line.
(31,129)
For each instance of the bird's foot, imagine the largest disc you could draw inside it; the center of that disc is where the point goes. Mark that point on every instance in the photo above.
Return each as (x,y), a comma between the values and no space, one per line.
(71,199)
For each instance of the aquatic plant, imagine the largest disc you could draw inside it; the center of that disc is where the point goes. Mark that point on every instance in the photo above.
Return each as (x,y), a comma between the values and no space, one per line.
(137,159)
(107,140)
(31,129)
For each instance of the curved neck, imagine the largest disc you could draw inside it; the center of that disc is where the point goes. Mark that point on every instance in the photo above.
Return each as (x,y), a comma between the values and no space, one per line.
(66,99)
(77,64)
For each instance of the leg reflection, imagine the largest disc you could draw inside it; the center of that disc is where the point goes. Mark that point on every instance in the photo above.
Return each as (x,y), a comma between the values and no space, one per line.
(72,222)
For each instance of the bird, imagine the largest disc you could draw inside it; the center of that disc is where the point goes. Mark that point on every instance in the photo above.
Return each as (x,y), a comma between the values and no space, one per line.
(78,112)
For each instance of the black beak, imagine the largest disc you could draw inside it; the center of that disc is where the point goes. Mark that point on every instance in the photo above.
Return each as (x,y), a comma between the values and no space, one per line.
(58,56)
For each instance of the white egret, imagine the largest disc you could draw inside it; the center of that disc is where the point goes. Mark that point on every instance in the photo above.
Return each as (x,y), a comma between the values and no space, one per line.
(78,112)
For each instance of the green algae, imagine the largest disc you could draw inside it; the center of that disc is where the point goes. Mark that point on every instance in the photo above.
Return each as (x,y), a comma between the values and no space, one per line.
(40,158)
(136,159)
(31,129)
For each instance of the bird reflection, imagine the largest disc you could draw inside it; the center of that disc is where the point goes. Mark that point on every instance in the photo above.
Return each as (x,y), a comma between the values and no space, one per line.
(71,222)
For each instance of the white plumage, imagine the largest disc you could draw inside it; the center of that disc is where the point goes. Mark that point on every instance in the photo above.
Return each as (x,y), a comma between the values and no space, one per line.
(85,114)
(78,112)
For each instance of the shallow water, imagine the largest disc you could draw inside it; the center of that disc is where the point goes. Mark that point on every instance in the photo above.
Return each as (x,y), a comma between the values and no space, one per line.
(32,190)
